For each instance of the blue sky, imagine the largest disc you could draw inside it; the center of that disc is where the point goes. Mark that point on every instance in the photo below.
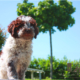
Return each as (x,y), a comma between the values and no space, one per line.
(65,43)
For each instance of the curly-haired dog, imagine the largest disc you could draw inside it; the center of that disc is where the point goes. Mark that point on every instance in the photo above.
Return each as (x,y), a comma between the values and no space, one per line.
(16,53)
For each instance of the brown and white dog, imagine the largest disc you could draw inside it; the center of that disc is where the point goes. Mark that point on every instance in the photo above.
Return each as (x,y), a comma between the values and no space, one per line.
(16,53)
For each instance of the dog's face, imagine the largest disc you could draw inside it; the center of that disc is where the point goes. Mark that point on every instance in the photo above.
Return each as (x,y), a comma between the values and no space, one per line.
(23,27)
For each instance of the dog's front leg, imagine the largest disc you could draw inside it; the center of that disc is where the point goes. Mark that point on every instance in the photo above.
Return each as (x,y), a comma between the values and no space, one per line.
(21,72)
(11,71)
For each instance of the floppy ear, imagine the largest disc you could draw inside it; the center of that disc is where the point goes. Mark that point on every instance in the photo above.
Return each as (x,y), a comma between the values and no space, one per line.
(36,31)
(34,24)
(14,27)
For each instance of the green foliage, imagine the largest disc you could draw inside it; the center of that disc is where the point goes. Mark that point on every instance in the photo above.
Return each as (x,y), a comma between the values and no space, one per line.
(49,14)
(2,38)
(25,8)
(59,68)
(25,1)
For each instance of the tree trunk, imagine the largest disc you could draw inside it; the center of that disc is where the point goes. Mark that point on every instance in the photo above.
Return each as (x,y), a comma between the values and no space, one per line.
(51,60)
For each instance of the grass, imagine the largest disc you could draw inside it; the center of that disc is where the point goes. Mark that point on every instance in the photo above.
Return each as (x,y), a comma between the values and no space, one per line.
(47,79)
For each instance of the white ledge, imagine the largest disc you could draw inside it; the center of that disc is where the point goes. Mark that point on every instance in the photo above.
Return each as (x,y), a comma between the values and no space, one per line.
(35,70)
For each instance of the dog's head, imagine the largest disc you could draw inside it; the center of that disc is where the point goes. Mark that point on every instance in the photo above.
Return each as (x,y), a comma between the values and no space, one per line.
(23,27)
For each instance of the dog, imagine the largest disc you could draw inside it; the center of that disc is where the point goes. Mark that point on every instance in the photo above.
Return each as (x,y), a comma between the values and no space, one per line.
(16,53)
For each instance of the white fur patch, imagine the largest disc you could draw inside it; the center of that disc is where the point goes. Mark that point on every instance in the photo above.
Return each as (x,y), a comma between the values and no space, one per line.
(25,18)
(20,32)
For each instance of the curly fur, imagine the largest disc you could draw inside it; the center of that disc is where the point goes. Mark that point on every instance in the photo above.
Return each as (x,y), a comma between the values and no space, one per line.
(16,53)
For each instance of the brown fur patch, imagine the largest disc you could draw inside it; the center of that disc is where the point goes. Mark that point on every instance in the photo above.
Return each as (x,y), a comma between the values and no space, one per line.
(14,27)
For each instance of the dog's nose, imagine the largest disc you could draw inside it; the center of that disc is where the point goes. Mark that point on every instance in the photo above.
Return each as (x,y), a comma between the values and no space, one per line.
(28,30)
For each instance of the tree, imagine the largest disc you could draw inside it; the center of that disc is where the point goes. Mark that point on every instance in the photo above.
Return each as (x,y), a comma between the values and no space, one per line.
(2,38)
(49,15)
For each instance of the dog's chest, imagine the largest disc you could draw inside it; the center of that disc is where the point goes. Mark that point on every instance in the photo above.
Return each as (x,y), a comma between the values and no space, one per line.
(23,53)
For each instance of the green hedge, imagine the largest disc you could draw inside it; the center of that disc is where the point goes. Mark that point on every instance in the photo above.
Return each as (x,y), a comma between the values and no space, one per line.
(59,68)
